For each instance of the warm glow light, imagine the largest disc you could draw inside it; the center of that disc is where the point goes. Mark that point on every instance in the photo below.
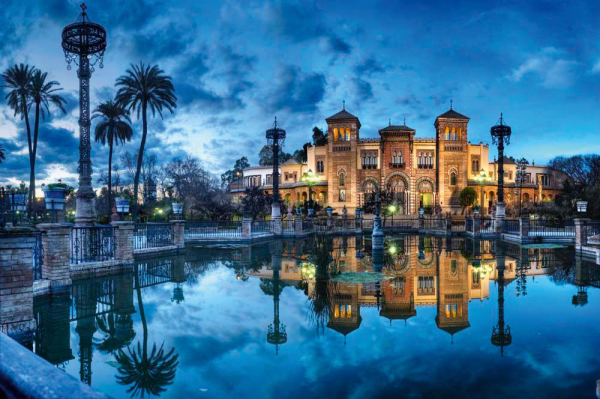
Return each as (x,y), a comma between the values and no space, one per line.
(392,208)
(392,250)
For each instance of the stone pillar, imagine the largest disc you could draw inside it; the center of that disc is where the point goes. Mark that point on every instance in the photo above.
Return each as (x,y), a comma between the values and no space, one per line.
(54,316)
(421,222)
(358,224)
(448,224)
(123,240)
(298,225)
(57,254)
(178,227)
(580,232)
(499,217)
(179,277)
(124,306)
(524,228)
(16,284)
(277,226)
(476,226)
(246,227)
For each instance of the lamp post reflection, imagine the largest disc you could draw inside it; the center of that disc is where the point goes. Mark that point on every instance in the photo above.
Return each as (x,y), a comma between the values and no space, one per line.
(501,335)
(276,333)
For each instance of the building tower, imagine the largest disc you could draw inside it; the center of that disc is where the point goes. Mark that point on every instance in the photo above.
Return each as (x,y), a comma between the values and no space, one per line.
(452,163)
(343,130)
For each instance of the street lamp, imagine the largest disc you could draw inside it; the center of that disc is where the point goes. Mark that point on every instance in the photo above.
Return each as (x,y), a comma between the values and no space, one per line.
(392,209)
(275,137)
(500,136)
(310,178)
(83,43)
(582,206)
(520,178)
(482,178)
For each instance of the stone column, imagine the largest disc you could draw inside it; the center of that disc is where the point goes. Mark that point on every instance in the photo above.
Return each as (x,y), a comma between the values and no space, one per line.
(448,224)
(57,253)
(277,226)
(421,222)
(476,226)
(524,228)
(298,226)
(499,217)
(358,224)
(124,240)
(580,232)
(178,227)
(246,227)
(16,284)
(54,316)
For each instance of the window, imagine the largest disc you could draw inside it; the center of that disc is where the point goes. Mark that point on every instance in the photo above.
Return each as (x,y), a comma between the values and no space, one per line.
(397,158)
(320,166)
(475,166)
(425,285)
(342,182)
(347,134)
(369,159)
(425,160)
(335,134)
(453,179)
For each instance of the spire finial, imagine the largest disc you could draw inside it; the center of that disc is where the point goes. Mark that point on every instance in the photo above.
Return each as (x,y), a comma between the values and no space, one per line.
(344,105)
(404,121)
(451,101)
(390,121)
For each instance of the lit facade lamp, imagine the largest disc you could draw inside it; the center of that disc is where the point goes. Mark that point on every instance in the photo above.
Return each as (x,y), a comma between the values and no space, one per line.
(310,178)
(84,43)
(392,209)
(582,206)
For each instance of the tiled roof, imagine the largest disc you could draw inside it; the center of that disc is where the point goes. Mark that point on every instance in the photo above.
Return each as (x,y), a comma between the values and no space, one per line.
(397,128)
(452,114)
(291,161)
(343,114)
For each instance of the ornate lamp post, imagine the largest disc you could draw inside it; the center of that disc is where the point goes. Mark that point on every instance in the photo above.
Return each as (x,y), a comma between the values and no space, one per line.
(520,178)
(276,333)
(275,138)
(501,335)
(482,178)
(500,136)
(310,178)
(84,43)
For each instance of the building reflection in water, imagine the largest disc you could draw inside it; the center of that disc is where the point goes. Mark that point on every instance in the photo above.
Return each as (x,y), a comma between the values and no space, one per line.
(415,272)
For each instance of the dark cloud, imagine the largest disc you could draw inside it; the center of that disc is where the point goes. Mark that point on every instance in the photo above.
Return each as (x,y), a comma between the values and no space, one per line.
(362,89)
(165,42)
(368,66)
(295,90)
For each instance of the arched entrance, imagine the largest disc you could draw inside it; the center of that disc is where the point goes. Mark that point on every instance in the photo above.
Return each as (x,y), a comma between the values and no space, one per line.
(368,188)
(323,198)
(397,185)
(425,190)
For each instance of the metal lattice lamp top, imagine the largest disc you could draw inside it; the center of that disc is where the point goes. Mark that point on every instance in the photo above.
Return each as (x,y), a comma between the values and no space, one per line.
(275,133)
(84,38)
(501,132)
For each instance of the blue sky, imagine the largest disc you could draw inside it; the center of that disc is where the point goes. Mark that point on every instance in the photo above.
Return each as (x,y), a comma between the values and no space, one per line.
(237,64)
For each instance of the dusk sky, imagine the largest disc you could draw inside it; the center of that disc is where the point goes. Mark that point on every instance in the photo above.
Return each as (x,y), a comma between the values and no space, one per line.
(237,64)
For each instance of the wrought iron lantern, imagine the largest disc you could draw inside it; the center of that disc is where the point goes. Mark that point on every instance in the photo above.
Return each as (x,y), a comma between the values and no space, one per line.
(122,205)
(177,208)
(582,206)
(275,137)
(84,43)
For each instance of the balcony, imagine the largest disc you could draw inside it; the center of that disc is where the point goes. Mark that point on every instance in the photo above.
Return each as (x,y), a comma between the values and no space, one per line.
(396,165)
(423,166)
(365,166)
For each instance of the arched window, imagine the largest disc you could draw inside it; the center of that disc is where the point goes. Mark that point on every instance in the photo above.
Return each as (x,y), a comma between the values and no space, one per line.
(394,157)
(347,134)
(475,166)
(447,134)
(453,134)
(342,179)
(396,185)
(453,179)
(335,134)
(400,161)
(459,133)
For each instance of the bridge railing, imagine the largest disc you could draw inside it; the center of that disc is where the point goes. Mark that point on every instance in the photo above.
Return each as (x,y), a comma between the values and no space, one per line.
(511,226)
(92,244)
(551,228)
(208,229)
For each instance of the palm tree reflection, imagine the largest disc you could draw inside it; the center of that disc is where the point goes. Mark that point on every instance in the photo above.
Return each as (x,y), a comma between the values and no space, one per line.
(147,373)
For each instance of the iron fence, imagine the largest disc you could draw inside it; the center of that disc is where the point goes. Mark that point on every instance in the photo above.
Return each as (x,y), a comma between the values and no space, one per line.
(487,226)
(511,226)
(430,223)
(592,228)
(260,227)
(400,224)
(208,229)
(92,244)
(152,235)
(288,226)
(458,225)
(469,225)
(551,228)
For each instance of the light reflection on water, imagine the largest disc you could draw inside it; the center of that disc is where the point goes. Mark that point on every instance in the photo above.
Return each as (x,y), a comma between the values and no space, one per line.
(303,319)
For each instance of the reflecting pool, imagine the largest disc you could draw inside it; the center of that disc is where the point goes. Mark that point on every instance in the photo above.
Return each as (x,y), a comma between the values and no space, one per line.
(427,317)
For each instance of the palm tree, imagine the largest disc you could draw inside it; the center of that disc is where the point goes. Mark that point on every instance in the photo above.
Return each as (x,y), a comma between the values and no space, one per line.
(146,373)
(115,337)
(17,79)
(42,94)
(2,156)
(142,87)
(114,128)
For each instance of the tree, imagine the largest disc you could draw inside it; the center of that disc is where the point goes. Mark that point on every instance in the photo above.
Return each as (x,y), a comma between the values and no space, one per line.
(265,156)
(42,94)
(254,202)
(300,155)
(114,128)
(581,181)
(319,138)
(467,197)
(146,372)
(17,81)
(237,173)
(2,156)
(142,87)
(386,197)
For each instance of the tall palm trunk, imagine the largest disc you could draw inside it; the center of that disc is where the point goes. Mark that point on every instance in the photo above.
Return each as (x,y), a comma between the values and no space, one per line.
(142,314)
(110,152)
(34,153)
(30,147)
(138,169)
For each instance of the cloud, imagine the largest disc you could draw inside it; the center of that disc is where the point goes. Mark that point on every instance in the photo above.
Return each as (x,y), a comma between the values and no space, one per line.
(295,91)
(552,71)
(362,89)
(368,66)
(596,67)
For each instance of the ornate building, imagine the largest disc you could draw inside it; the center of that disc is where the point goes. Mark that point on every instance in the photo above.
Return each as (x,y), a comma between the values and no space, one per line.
(424,173)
